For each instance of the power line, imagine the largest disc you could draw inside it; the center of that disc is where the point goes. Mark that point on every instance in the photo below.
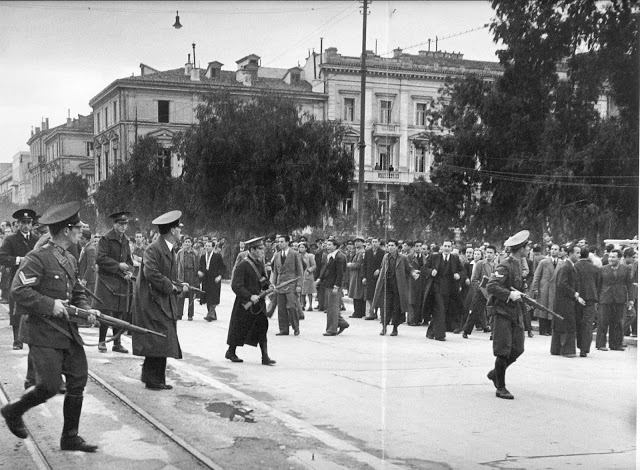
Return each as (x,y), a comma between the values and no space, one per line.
(486,25)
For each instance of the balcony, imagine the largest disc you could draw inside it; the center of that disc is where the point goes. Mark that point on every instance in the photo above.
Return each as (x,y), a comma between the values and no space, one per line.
(387,129)
(392,177)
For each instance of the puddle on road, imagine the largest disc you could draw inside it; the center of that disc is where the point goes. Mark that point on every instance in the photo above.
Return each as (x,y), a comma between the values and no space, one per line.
(235,411)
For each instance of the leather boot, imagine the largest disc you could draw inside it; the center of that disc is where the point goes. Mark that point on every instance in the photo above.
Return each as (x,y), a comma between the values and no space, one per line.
(71,410)
(12,413)
(266,360)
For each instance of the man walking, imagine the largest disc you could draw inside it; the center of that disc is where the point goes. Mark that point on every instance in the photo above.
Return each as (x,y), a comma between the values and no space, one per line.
(589,281)
(187,272)
(287,266)
(210,272)
(483,268)
(356,275)
(543,287)
(372,263)
(331,278)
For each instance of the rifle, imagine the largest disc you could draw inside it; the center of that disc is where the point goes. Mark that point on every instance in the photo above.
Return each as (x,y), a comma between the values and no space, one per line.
(81,314)
(525,298)
(191,288)
(264,293)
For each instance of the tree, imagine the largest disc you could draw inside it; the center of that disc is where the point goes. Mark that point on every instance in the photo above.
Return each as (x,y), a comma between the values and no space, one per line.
(7,208)
(64,188)
(258,164)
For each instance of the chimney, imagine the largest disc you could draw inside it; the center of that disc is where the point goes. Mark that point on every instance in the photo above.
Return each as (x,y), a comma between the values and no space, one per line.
(213,69)
(188,66)
(397,53)
(37,130)
(422,53)
(195,74)
(47,122)
(42,124)
(331,52)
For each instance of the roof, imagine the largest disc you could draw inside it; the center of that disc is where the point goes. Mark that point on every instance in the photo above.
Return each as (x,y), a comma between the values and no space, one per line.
(227,79)
(81,124)
(4,169)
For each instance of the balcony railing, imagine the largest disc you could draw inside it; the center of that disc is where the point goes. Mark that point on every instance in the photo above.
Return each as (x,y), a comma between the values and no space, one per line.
(392,177)
(387,129)
(389,175)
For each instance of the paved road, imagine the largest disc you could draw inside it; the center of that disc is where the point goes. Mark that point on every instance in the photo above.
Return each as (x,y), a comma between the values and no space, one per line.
(360,401)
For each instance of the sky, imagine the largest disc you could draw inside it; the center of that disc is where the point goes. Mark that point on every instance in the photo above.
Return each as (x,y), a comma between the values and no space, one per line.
(56,56)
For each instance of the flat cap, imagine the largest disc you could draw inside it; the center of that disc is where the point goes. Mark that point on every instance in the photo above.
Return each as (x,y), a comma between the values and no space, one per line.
(122,216)
(167,218)
(62,214)
(517,239)
(24,214)
(254,242)
(358,239)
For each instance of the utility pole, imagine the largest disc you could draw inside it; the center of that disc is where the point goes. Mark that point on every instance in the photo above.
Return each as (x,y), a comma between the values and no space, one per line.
(361,144)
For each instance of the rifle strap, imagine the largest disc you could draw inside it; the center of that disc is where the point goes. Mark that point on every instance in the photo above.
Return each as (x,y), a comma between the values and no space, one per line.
(255,268)
(62,330)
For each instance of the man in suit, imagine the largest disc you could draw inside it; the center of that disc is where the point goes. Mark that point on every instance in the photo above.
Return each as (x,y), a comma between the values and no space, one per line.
(443,272)
(393,289)
(372,262)
(287,266)
(331,278)
(563,338)
(12,252)
(483,268)
(589,281)
(616,294)
(210,272)
(87,261)
(187,272)
(543,287)
(321,262)
(157,303)
(356,275)
(46,280)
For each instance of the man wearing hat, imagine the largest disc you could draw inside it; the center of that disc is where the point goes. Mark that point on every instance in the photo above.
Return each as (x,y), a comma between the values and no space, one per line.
(47,280)
(156,303)
(115,268)
(508,321)
(356,275)
(12,252)
(249,326)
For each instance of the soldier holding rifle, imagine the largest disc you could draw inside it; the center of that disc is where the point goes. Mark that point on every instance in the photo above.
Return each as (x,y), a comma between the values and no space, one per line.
(249,323)
(115,267)
(46,282)
(156,303)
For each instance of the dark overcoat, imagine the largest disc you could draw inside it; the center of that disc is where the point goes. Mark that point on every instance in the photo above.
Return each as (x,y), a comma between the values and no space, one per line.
(209,284)
(87,266)
(403,276)
(156,306)
(13,246)
(111,286)
(565,301)
(46,274)
(356,274)
(372,263)
(248,326)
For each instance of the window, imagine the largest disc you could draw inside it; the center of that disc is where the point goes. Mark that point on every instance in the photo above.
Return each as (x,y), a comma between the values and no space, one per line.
(163,111)
(350,148)
(349,109)
(383,201)
(347,204)
(164,161)
(106,117)
(98,121)
(421,114)
(420,159)
(88,148)
(115,156)
(99,167)
(115,111)
(106,163)
(385,157)
(295,78)
(385,112)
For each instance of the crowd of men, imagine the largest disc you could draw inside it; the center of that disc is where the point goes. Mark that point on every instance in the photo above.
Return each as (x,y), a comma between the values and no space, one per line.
(57,264)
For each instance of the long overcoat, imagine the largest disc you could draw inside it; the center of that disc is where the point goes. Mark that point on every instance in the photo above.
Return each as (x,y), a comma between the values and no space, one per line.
(403,275)
(156,306)
(544,282)
(309,267)
(15,245)
(356,274)
(565,301)
(248,326)
(209,284)
(111,286)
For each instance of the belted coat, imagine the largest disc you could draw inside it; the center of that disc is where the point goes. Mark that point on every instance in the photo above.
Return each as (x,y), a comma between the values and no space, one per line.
(111,286)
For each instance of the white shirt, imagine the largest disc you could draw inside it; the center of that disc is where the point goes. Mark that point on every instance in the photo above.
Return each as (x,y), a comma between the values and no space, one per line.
(332,255)
(169,244)
(208,258)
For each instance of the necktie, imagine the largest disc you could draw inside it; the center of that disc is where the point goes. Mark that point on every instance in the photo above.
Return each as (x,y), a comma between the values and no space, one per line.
(555,263)
(283,257)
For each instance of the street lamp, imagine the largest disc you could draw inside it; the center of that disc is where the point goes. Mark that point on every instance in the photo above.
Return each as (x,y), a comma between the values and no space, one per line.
(177,24)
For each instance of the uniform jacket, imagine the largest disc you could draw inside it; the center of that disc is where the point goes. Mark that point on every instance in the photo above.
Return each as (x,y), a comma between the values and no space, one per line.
(589,280)
(156,306)
(46,274)
(333,273)
(356,274)
(111,286)
(544,282)
(248,326)
(403,271)
(565,304)
(617,285)
(291,269)
(507,274)
(87,265)
(13,246)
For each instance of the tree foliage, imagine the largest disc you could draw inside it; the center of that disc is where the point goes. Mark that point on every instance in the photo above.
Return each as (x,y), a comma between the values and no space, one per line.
(258,164)
(64,188)
(532,151)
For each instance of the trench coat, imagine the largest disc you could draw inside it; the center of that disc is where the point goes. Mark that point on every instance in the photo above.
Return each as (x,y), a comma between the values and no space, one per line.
(209,284)
(308,283)
(544,282)
(403,275)
(156,305)
(111,286)
(356,274)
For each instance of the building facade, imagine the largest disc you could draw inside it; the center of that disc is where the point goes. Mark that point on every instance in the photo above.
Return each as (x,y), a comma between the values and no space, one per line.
(20,182)
(6,180)
(162,103)
(401,92)
(67,148)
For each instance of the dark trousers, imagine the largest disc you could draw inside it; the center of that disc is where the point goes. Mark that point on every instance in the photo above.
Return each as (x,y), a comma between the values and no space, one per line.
(181,301)
(437,325)
(392,309)
(287,312)
(334,319)
(320,296)
(50,364)
(545,326)
(610,320)
(585,315)
(104,328)
(211,310)
(359,308)
(476,314)
(154,370)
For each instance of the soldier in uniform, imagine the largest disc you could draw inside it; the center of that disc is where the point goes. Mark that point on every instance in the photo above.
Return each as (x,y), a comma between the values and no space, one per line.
(156,303)
(12,251)
(508,322)
(249,326)
(46,280)
(115,268)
